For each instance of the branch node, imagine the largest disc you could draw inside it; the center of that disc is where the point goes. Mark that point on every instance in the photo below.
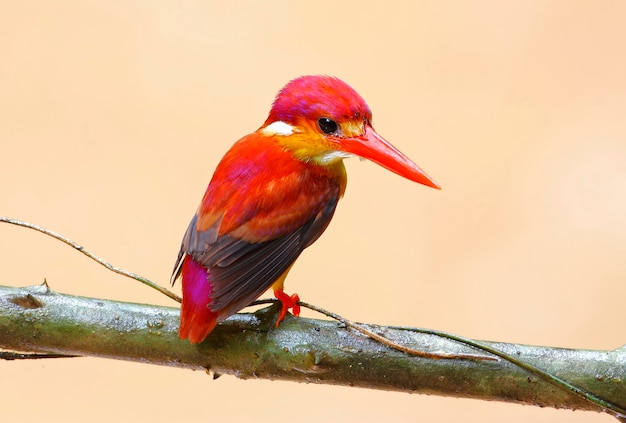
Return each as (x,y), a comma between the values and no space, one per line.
(26,301)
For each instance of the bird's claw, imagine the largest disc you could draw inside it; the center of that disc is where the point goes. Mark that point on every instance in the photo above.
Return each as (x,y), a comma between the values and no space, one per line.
(288,302)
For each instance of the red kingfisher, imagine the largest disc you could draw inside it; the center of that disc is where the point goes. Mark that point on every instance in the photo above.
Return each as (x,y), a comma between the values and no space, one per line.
(271,196)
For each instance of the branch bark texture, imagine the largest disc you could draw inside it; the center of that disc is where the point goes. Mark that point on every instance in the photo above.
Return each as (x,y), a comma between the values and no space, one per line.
(36,319)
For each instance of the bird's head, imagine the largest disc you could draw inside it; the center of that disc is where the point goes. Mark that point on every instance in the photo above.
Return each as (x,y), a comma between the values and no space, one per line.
(323,120)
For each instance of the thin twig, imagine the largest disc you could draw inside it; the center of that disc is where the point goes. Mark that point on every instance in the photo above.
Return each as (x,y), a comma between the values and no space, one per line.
(393,345)
(385,341)
(92,256)
(367,332)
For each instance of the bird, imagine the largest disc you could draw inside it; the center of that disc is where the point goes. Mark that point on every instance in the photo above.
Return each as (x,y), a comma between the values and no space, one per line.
(271,196)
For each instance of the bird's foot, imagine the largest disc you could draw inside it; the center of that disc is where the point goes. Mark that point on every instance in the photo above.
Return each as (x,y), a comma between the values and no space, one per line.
(288,302)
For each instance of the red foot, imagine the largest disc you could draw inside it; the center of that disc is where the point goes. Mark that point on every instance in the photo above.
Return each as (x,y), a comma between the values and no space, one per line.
(288,302)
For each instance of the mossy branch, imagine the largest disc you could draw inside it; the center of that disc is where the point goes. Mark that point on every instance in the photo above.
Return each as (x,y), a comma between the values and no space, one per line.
(36,319)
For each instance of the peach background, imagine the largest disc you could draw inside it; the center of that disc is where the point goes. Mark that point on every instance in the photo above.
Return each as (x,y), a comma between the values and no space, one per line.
(113,115)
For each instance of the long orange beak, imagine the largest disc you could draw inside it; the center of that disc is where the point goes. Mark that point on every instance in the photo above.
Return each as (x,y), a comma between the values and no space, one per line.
(373,147)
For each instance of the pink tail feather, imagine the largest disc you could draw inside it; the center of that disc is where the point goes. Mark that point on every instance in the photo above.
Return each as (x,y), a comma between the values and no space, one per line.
(196,318)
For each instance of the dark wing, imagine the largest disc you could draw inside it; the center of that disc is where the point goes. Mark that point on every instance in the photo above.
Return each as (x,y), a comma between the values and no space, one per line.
(240,271)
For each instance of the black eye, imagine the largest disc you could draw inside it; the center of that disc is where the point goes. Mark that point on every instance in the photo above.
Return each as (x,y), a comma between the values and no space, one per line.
(327,125)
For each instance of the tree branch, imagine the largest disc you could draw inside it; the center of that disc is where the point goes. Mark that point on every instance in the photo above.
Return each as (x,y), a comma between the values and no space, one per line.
(36,319)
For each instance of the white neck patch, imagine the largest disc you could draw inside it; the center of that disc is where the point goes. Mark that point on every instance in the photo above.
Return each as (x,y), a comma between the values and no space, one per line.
(334,156)
(278,128)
